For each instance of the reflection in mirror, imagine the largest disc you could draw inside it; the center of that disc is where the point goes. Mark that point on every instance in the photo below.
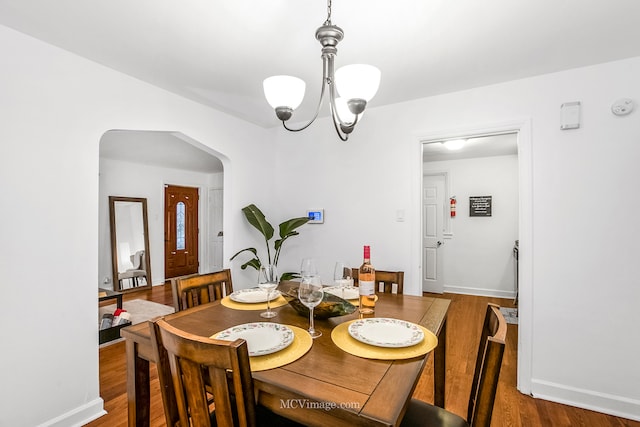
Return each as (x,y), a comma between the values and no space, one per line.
(129,243)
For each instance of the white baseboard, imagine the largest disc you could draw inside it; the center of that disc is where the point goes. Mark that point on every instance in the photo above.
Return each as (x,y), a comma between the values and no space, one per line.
(479,292)
(79,416)
(587,399)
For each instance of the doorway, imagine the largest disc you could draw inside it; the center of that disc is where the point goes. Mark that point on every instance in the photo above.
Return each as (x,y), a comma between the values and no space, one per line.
(181,231)
(216,235)
(137,163)
(463,252)
(521,127)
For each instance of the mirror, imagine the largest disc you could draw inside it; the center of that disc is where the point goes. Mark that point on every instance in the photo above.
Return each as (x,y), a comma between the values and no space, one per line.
(129,243)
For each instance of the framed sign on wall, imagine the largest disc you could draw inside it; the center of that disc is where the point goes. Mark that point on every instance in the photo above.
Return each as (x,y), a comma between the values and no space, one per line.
(480,206)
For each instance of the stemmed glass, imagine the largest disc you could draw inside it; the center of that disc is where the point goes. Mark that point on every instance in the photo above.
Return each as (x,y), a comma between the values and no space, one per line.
(342,276)
(308,268)
(268,281)
(310,294)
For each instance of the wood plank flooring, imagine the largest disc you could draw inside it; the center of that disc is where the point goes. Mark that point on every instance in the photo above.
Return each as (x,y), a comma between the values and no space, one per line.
(512,409)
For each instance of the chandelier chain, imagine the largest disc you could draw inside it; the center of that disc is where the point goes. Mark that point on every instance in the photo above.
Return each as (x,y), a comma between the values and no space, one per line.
(328,21)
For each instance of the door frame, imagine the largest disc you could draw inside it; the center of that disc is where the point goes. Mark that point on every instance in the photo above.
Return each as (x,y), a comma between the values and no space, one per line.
(522,127)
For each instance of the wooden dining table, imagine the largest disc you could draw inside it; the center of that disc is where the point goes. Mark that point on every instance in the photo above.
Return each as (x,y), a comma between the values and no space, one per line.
(326,386)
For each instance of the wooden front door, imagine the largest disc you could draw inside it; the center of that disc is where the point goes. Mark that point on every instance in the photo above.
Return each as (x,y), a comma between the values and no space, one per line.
(180,231)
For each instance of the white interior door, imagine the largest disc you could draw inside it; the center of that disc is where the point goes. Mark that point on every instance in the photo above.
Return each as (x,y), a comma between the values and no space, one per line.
(433,217)
(215,230)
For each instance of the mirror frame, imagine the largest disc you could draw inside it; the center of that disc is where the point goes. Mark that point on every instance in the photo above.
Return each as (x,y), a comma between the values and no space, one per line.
(114,246)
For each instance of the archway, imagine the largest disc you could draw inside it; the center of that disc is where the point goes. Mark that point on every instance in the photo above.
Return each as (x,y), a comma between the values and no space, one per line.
(138,163)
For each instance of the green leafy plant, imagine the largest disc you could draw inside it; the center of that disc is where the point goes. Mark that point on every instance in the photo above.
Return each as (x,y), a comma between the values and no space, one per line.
(287,229)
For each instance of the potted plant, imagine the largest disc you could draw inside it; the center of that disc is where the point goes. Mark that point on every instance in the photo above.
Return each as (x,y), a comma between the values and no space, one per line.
(287,229)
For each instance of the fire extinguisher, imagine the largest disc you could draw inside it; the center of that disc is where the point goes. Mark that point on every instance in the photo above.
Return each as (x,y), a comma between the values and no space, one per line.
(452,206)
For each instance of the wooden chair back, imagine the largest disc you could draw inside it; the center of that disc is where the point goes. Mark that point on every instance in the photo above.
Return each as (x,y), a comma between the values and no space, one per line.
(487,370)
(194,370)
(483,388)
(384,280)
(195,290)
(174,288)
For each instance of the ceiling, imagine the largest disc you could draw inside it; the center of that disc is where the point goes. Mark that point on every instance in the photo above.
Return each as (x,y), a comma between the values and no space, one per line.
(162,149)
(482,146)
(218,53)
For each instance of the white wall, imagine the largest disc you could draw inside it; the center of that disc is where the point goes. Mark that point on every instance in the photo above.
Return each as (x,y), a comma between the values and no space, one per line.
(478,257)
(55,107)
(124,179)
(578,252)
(360,186)
(582,248)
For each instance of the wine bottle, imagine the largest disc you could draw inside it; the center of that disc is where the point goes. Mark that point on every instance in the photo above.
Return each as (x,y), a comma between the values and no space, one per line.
(366,284)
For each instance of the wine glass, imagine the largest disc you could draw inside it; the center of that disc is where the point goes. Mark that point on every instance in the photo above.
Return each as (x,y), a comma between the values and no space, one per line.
(268,281)
(310,294)
(342,276)
(308,268)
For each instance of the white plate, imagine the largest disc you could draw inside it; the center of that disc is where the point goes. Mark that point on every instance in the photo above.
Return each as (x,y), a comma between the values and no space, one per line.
(350,292)
(262,337)
(252,296)
(384,332)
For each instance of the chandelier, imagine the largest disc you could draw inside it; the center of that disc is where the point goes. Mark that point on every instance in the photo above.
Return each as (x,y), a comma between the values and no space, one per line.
(356,84)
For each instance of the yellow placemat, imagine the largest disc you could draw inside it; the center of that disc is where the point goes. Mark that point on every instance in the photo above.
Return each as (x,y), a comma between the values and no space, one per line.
(229,303)
(302,343)
(341,337)
(356,301)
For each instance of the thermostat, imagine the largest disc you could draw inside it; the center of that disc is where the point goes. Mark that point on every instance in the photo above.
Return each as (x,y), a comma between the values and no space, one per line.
(316,216)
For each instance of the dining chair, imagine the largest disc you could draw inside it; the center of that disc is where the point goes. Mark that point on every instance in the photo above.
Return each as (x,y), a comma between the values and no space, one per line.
(200,289)
(139,261)
(483,386)
(139,270)
(206,382)
(174,288)
(385,280)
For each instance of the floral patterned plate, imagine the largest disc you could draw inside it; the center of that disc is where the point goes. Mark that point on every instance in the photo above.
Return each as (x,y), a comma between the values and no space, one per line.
(385,332)
(262,337)
(252,295)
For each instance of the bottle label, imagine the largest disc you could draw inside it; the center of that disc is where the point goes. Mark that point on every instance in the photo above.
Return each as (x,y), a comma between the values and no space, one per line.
(367,287)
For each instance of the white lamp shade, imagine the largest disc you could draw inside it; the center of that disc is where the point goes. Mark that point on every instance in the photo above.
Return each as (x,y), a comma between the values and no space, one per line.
(284,91)
(358,81)
(343,111)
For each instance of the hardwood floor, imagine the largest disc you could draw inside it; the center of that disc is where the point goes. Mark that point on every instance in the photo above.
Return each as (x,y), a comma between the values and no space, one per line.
(512,409)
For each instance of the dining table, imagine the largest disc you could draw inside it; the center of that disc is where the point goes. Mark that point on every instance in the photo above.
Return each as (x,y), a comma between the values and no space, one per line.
(326,385)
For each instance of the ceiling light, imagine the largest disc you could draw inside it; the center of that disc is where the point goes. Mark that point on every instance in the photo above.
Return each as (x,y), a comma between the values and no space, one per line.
(454,144)
(356,85)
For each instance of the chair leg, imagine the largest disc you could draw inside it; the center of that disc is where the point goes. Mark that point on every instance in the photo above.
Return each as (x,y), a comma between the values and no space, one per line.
(440,367)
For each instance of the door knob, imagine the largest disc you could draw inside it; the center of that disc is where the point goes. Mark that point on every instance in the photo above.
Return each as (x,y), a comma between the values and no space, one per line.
(439,243)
